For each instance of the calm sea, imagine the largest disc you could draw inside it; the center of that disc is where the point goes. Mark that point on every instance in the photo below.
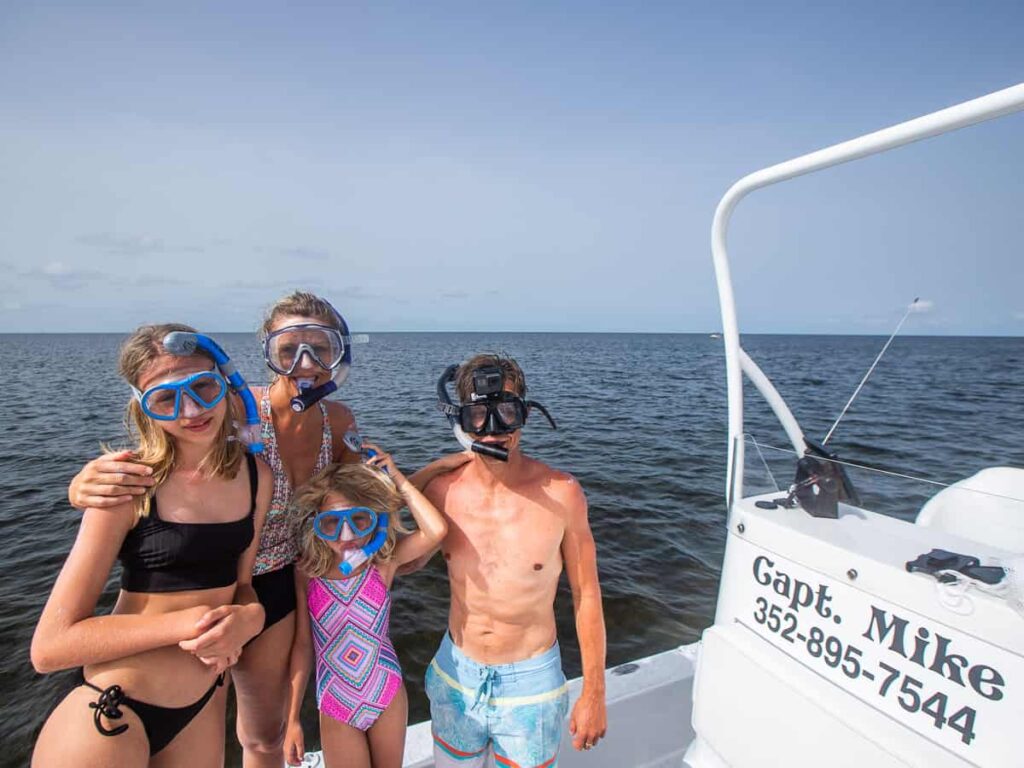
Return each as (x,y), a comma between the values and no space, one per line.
(641,425)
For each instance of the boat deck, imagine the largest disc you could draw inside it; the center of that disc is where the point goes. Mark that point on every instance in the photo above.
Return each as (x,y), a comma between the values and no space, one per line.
(650,702)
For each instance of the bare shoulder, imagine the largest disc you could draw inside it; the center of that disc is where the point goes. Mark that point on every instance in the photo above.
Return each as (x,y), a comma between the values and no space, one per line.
(563,490)
(560,485)
(118,518)
(341,420)
(264,475)
(438,486)
(340,416)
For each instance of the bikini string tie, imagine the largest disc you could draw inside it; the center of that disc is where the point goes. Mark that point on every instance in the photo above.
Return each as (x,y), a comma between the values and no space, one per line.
(108,705)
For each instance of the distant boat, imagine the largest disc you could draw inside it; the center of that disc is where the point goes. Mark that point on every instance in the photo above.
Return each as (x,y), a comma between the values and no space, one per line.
(715,335)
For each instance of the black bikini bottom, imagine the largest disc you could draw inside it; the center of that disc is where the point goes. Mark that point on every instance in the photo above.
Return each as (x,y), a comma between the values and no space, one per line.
(276,593)
(161,724)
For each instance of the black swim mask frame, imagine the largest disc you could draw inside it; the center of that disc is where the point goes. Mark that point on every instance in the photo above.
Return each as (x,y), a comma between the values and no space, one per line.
(491,410)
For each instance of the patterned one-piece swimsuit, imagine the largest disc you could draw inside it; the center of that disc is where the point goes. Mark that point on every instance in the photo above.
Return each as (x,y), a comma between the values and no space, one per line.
(278,547)
(357,670)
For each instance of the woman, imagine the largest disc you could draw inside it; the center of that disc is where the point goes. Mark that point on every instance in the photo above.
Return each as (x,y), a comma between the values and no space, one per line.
(307,345)
(151,690)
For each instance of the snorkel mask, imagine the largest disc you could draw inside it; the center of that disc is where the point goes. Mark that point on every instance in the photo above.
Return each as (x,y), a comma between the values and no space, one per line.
(184,344)
(328,347)
(348,525)
(491,409)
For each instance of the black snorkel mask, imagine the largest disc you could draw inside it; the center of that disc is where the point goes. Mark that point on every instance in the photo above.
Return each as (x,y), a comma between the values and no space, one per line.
(490,411)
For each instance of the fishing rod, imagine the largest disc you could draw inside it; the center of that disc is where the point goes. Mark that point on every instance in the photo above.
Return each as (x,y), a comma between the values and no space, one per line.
(870,370)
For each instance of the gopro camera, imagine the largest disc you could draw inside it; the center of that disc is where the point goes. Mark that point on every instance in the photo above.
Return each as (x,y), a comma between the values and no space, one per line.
(488,381)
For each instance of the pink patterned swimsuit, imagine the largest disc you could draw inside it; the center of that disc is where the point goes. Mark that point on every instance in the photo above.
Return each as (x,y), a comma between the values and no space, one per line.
(357,671)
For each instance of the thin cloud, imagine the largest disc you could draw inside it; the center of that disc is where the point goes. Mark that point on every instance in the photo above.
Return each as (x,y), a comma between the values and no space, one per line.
(1017,315)
(923,305)
(59,275)
(307,254)
(133,245)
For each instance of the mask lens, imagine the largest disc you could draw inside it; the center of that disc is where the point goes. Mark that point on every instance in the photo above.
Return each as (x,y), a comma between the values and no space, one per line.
(207,390)
(327,525)
(284,348)
(509,414)
(362,522)
(474,417)
(161,402)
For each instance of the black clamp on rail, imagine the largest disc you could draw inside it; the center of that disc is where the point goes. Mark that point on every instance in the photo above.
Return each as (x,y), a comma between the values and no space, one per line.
(938,560)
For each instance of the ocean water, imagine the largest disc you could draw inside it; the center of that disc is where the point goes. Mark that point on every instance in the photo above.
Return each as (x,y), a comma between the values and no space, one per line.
(641,425)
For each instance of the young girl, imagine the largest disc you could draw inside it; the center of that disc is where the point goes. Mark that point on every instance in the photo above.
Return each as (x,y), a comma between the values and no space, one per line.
(151,690)
(346,524)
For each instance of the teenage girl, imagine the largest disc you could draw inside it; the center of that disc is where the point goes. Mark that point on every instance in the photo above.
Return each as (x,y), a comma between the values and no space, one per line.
(152,671)
(344,514)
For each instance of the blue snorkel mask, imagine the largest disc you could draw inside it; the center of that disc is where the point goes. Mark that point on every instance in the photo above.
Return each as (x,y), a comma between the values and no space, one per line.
(164,402)
(348,525)
(185,343)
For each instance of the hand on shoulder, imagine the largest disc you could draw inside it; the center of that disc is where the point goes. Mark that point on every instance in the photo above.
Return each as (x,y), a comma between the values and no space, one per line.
(109,480)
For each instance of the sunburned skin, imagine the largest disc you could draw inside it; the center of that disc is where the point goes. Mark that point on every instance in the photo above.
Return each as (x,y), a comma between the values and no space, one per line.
(503,584)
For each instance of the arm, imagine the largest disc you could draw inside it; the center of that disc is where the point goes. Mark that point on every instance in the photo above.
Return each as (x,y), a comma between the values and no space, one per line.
(229,627)
(421,478)
(589,719)
(108,481)
(68,635)
(342,420)
(299,667)
(431,525)
(437,494)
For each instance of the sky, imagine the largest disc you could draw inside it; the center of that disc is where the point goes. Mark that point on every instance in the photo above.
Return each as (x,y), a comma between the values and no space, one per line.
(518,166)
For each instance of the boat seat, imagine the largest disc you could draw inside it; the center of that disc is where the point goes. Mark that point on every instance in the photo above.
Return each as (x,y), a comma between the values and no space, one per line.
(995,516)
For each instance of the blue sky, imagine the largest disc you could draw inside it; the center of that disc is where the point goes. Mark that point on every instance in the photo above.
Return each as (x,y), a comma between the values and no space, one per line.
(541,166)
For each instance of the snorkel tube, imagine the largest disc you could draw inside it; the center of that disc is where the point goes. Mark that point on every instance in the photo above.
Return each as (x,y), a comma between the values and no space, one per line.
(183,344)
(312,395)
(356,557)
(354,442)
(449,409)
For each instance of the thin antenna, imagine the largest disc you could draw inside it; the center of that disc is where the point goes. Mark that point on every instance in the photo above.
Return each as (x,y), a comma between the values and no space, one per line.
(870,370)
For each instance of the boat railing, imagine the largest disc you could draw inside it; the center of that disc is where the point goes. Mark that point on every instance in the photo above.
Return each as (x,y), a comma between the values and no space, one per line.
(738,363)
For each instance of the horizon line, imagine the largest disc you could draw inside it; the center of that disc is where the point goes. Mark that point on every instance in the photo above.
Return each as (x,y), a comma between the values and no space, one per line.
(709,334)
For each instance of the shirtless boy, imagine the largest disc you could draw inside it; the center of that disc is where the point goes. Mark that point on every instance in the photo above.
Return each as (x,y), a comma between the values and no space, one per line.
(497,680)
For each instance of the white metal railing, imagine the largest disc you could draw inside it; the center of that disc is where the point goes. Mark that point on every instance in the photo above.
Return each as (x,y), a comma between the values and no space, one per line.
(998,104)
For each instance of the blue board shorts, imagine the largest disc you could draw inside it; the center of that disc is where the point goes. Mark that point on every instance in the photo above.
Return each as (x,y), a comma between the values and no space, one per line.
(516,709)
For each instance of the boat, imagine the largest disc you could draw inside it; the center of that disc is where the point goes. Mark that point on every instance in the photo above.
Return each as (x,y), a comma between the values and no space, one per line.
(843,636)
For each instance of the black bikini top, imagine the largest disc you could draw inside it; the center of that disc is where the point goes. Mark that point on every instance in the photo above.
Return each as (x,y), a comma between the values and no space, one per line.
(162,556)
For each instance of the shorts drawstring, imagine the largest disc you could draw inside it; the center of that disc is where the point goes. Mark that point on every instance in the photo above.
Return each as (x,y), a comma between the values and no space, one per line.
(486,690)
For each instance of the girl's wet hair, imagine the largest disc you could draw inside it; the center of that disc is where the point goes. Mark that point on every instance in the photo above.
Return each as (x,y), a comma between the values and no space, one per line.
(300,303)
(154,447)
(363,486)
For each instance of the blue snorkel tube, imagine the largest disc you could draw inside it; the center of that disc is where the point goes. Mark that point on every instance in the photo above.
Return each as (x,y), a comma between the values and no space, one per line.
(183,344)
(361,555)
(354,442)
(313,395)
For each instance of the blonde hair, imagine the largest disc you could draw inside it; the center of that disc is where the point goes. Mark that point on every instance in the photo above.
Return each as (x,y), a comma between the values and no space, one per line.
(360,484)
(154,447)
(300,303)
